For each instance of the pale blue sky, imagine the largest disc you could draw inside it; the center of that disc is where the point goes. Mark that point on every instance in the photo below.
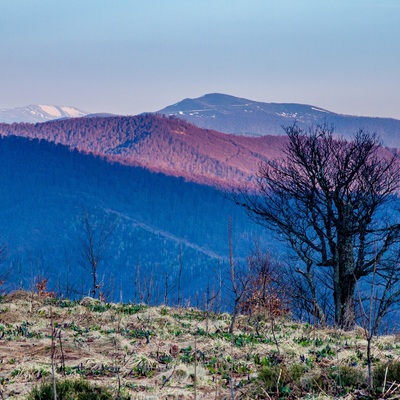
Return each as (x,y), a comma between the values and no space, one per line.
(131,56)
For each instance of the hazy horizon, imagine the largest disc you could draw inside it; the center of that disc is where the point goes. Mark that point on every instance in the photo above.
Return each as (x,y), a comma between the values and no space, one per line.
(129,57)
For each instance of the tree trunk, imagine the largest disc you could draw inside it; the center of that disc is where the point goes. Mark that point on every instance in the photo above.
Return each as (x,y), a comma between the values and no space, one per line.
(344,287)
(234,315)
(344,279)
(347,318)
(318,311)
(94,290)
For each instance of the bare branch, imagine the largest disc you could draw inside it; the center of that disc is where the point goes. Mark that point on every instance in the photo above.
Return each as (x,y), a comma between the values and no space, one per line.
(331,200)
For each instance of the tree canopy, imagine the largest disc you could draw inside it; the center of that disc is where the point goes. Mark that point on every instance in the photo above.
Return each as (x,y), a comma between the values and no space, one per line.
(329,198)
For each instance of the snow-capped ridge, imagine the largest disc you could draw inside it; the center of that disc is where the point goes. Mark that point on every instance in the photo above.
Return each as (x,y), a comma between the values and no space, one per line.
(39,113)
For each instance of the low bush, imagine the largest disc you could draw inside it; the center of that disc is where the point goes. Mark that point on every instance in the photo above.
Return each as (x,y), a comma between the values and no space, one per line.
(281,380)
(335,382)
(70,390)
(349,378)
(392,375)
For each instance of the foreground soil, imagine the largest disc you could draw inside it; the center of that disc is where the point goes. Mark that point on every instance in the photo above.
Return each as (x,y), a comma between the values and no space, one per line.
(142,352)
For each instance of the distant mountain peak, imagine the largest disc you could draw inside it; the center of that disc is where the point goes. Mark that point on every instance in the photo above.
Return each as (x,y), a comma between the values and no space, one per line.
(244,117)
(220,100)
(223,99)
(34,113)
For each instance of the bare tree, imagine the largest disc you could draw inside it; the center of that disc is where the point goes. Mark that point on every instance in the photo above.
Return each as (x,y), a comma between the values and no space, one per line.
(3,252)
(330,200)
(94,244)
(239,279)
(180,265)
(266,295)
(5,272)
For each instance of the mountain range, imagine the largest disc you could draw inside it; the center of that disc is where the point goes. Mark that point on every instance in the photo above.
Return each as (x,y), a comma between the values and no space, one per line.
(240,116)
(234,115)
(161,144)
(160,175)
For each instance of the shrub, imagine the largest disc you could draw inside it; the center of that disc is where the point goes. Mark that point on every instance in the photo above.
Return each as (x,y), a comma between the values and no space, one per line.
(279,378)
(349,378)
(268,377)
(393,373)
(70,390)
(318,381)
(296,372)
(333,381)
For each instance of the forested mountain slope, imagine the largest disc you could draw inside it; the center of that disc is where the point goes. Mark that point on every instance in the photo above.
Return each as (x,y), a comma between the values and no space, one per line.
(159,143)
(44,187)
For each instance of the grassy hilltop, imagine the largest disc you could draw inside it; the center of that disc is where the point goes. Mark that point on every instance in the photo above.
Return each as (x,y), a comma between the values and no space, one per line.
(140,352)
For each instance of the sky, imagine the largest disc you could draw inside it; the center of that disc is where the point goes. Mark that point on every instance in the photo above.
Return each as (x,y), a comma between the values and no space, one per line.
(133,56)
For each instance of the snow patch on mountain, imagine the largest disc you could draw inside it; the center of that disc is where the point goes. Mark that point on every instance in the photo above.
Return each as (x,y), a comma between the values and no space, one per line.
(51,110)
(73,112)
(39,113)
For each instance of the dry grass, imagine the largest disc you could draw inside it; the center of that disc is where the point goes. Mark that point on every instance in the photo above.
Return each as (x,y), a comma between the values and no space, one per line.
(149,352)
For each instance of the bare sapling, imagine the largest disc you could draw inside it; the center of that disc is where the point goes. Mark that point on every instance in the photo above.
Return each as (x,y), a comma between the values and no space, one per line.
(239,280)
(95,240)
(53,350)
